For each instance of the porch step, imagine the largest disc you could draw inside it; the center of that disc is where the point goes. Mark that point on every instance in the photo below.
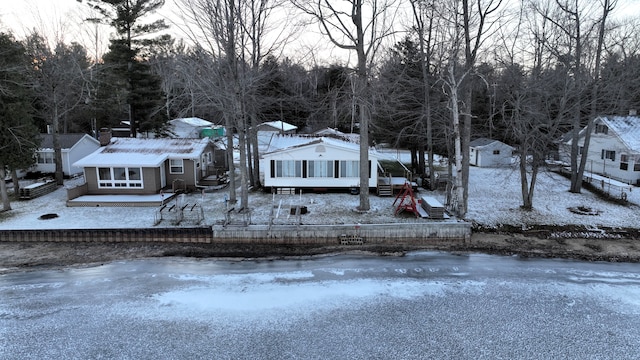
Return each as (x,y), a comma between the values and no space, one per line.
(385,190)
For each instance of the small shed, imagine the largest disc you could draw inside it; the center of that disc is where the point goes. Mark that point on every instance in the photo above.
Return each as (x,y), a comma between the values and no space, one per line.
(484,152)
(280,127)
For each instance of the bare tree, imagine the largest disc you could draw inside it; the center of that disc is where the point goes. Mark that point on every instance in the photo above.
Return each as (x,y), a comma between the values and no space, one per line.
(60,80)
(359,26)
(232,33)
(607,8)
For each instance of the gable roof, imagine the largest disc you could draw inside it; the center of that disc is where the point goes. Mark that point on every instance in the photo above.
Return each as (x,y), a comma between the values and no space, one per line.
(193,121)
(143,152)
(279,125)
(627,128)
(284,143)
(67,141)
(481,142)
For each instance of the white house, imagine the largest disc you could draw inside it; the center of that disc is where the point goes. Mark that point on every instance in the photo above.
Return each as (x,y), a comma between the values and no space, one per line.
(308,162)
(485,152)
(194,128)
(73,147)
(614,149)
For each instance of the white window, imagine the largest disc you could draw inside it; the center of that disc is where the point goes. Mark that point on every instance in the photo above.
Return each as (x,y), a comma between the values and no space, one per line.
(320,169)
(608,154)
(119,177)
(207,158)
(288,168)
(176,166)
(496,152)
(45,157)
(624,162)
(349,168)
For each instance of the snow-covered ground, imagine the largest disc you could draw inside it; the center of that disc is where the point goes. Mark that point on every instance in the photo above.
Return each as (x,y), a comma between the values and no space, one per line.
(494,199)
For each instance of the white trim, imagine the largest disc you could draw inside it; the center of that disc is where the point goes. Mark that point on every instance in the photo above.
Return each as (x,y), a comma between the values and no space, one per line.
(126,183)
(171,166)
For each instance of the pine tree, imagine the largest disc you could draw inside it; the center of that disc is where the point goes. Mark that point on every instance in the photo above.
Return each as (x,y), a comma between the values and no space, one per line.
(18,135)
(128,80)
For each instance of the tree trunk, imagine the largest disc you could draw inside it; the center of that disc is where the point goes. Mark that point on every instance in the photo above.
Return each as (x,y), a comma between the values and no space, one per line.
(16,181)
(6,204)
(244,194)
(232,167)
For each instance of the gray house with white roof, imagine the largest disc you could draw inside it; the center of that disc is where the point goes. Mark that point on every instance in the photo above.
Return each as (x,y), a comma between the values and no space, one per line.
(614,149)
(145,166)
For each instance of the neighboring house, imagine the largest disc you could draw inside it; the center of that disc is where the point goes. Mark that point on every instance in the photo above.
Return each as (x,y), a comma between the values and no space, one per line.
(614,149)
(314,163)
(145,166)
(485,152)
(277,126)
(337,134)
(73,147)
(194,128)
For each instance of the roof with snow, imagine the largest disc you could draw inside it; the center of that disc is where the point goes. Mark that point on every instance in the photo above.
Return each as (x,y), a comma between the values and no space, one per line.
(281,143)
(193,121)
(627,128)
(143,152)
(481,142)
(279,125)
(67,141)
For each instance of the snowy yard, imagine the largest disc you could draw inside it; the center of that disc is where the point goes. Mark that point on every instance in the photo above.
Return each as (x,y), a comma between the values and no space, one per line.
(494,199)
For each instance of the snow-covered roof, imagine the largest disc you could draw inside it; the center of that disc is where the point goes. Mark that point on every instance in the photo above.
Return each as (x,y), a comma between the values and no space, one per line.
(279,125)
(67,141)
(143,152)
(280,143)
(627,128)
(328,131)
(193,121)
(482,142)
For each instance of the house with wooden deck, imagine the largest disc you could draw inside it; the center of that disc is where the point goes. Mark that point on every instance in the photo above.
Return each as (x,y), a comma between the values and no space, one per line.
(290,163)
(127,166)
(73,148)
(614,148)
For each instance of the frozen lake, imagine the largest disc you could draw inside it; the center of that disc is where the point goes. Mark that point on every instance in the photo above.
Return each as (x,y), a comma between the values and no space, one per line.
(424,305)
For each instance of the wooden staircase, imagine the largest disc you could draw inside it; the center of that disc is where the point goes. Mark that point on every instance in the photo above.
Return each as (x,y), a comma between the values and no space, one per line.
(385,190)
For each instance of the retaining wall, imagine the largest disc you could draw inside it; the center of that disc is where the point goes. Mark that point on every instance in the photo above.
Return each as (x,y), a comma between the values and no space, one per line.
(418,233)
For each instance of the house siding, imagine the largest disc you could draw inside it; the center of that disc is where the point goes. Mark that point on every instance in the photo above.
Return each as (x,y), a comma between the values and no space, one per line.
(85,146)
(187,176)
(150,178)
(596,164)
(315,152)
(484,156)
(607,167)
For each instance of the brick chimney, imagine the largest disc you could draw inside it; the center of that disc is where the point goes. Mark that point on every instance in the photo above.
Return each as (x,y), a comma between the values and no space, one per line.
(105,136)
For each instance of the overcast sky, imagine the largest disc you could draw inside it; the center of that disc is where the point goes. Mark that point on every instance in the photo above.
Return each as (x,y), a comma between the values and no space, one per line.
(63,20)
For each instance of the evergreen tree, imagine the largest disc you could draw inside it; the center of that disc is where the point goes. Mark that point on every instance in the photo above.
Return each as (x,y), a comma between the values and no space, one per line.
(19,138)
(129,81)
